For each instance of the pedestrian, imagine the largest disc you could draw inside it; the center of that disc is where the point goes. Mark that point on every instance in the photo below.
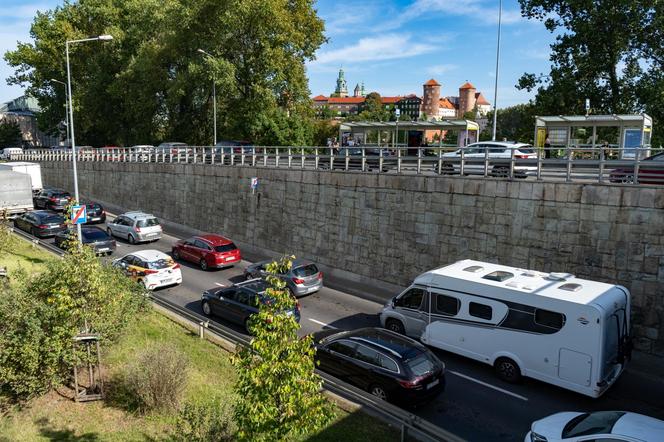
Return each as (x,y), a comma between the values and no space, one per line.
(547,147)
(606,150)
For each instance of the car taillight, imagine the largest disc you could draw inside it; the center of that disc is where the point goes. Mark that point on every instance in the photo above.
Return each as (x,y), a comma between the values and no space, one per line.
(298,281)
(176,266)
(150,272)
(413,383)
(320,275)
(42,226)
(103,212)
(53,199)
(522,156)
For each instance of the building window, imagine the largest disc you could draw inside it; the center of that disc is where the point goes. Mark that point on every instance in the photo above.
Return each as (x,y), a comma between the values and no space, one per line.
(481,311)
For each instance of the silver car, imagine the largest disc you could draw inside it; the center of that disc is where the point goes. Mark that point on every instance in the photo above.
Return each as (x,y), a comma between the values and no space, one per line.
(135,227)
(303,278)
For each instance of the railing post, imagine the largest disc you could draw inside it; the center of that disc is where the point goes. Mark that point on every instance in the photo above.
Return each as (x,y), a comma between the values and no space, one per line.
(398,159)
(347,160)
(276,157)
(539,162)
(303,158)
(253,156)
(602,159)
(568,176)
(419,159)
(195,152)
(637,162)
(331,158)
(380,158)
(265,155)
(316,159)
(462,164)
(440,160)
(486,161)
(364,159)
(242,155)
(290,158)
(512,162)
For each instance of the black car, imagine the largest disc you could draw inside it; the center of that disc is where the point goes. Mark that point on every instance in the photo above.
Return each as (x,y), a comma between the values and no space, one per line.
(91,236)
(52,199)
(95,213)
(238,302)
(353,156)
(388,365)
(40,223)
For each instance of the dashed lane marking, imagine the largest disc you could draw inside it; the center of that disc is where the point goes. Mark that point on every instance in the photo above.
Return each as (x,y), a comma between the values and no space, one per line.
(518,396)
(322,323)
(220,284)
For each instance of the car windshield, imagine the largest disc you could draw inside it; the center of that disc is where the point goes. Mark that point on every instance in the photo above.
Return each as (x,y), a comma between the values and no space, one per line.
(225,248)
(159,264)
(421,364)
(307,270)
(600,422)
(150,222)
(95,235)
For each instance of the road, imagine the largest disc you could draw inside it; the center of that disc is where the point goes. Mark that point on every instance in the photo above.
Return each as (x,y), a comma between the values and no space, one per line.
(476,405)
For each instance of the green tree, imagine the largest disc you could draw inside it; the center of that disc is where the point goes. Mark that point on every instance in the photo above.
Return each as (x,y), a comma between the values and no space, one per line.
(278,391)
(10,134)
(516,123)
(151,84)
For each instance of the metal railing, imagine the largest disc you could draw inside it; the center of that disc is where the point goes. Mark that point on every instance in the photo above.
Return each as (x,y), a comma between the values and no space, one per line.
(568,164)
(409,424)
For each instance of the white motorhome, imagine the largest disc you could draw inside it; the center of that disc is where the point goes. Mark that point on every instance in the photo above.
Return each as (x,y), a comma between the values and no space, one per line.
(554,327)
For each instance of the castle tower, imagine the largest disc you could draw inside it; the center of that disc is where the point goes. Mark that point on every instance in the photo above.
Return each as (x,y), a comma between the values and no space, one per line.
(342,88)
(356,91)
(431,98)
(466,99)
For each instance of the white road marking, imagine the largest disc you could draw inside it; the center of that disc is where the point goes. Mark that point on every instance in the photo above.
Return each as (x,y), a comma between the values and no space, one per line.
(322,323)
(523,398)
(220,284)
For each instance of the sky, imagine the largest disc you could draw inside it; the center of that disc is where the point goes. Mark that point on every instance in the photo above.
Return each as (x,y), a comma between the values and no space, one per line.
(393,46)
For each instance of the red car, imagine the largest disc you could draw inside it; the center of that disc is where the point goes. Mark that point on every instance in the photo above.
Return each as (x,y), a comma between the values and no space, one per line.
(208,251)
(651,171)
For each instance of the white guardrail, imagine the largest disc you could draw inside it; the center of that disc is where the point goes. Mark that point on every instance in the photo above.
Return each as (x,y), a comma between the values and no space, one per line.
(569,164)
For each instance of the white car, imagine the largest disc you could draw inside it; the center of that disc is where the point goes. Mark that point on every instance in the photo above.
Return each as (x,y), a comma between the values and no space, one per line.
(152,268)
(604,426)
(499,156)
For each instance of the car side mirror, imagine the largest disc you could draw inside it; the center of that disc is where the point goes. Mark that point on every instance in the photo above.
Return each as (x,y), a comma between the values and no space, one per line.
(221,298)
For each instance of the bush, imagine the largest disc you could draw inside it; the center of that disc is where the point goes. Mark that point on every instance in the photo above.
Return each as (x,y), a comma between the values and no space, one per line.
(158,378)
(204,421)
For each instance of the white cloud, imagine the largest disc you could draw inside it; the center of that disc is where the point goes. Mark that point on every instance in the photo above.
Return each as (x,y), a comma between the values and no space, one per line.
(440,69)
(481,10)
(384,47)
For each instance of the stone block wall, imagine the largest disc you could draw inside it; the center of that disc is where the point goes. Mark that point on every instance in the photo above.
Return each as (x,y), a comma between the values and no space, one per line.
(393,227)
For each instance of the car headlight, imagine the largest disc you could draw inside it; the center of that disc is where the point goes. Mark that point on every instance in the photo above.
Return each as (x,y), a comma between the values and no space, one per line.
(534,437)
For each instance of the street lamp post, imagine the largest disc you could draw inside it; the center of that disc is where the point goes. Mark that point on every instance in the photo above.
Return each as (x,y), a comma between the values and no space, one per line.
(71,115)
(66,107)
(214,102)
(495,93)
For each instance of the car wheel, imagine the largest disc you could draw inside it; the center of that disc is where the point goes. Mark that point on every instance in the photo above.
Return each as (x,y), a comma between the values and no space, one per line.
(131,239)
(246,326)
(203,264)
(447,169)
(507,370)
(627,179)
(206,308)
(176,254)
(396,326)
(33,232)
(500,172)
(378,391)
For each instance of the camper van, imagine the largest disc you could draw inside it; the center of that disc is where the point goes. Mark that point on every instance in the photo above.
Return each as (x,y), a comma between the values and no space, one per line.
(554,327)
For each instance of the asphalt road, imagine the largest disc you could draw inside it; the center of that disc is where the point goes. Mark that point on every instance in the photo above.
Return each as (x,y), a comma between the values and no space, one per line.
(476,405)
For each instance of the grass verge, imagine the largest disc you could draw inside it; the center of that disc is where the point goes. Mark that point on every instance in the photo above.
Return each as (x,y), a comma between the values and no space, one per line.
(24,255)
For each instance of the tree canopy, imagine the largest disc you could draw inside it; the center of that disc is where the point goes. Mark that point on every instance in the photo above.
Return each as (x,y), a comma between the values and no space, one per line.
(151,84)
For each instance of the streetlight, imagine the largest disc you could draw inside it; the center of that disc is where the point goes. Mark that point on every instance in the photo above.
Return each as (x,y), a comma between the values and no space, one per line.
(495,93)
(66,106)
(71,115)
(214,100)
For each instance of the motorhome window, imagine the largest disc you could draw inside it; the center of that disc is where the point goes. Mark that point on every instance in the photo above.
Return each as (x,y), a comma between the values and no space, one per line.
(480,310)
(498,275)
(549,319)
(473,269)
(447,305)
(570,287)
(411,299)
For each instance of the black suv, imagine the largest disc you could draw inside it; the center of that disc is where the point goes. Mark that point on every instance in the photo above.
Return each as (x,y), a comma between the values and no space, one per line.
(52,199)
(388,365)
(238,302)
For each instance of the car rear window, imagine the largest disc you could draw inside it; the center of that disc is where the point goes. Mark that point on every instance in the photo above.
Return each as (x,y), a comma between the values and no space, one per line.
(308,270)
(95,235)
(225,248)
(150,222)
(421,364)
(526,150)
(60,195)
(52,219)
(600,422)
(159,264)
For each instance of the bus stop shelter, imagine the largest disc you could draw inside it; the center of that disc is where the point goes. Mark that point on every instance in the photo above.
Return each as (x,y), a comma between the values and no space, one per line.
(634,133)
(468,131)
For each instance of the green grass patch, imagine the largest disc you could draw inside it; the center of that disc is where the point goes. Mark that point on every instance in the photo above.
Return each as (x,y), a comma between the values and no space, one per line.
(56,417)
(25,255)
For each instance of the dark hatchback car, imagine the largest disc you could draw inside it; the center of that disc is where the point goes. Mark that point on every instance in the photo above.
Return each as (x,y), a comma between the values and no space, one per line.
(95,213)
(239,302)
(303,278)
(91,236)
(390,366)
(40,223)
(651,171)
(52,199)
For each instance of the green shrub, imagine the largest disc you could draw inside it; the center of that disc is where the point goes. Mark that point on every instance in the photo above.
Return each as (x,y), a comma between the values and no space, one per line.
(158,378)
(211,420)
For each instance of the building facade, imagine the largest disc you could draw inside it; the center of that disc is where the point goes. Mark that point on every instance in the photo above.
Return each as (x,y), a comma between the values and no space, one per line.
(23,110)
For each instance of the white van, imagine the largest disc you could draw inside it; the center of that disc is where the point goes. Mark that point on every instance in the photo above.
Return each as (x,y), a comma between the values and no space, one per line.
(566,331)
(7,152)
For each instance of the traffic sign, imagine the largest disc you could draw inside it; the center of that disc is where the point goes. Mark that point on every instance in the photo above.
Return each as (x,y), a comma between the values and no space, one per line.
(254,183)
(79,214)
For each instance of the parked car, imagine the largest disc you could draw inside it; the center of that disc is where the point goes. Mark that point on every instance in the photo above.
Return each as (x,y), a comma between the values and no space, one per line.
(7,152)
(239,302)
(303,278)
(142,152)
(175,148)
(208,251)
(499,154)
(52,199)
(135,227)
(651,171)
(94,237)
(229,149)
(95,212)
(388,365)
(608,426)
(152,268)
(40,223)
(354,157)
